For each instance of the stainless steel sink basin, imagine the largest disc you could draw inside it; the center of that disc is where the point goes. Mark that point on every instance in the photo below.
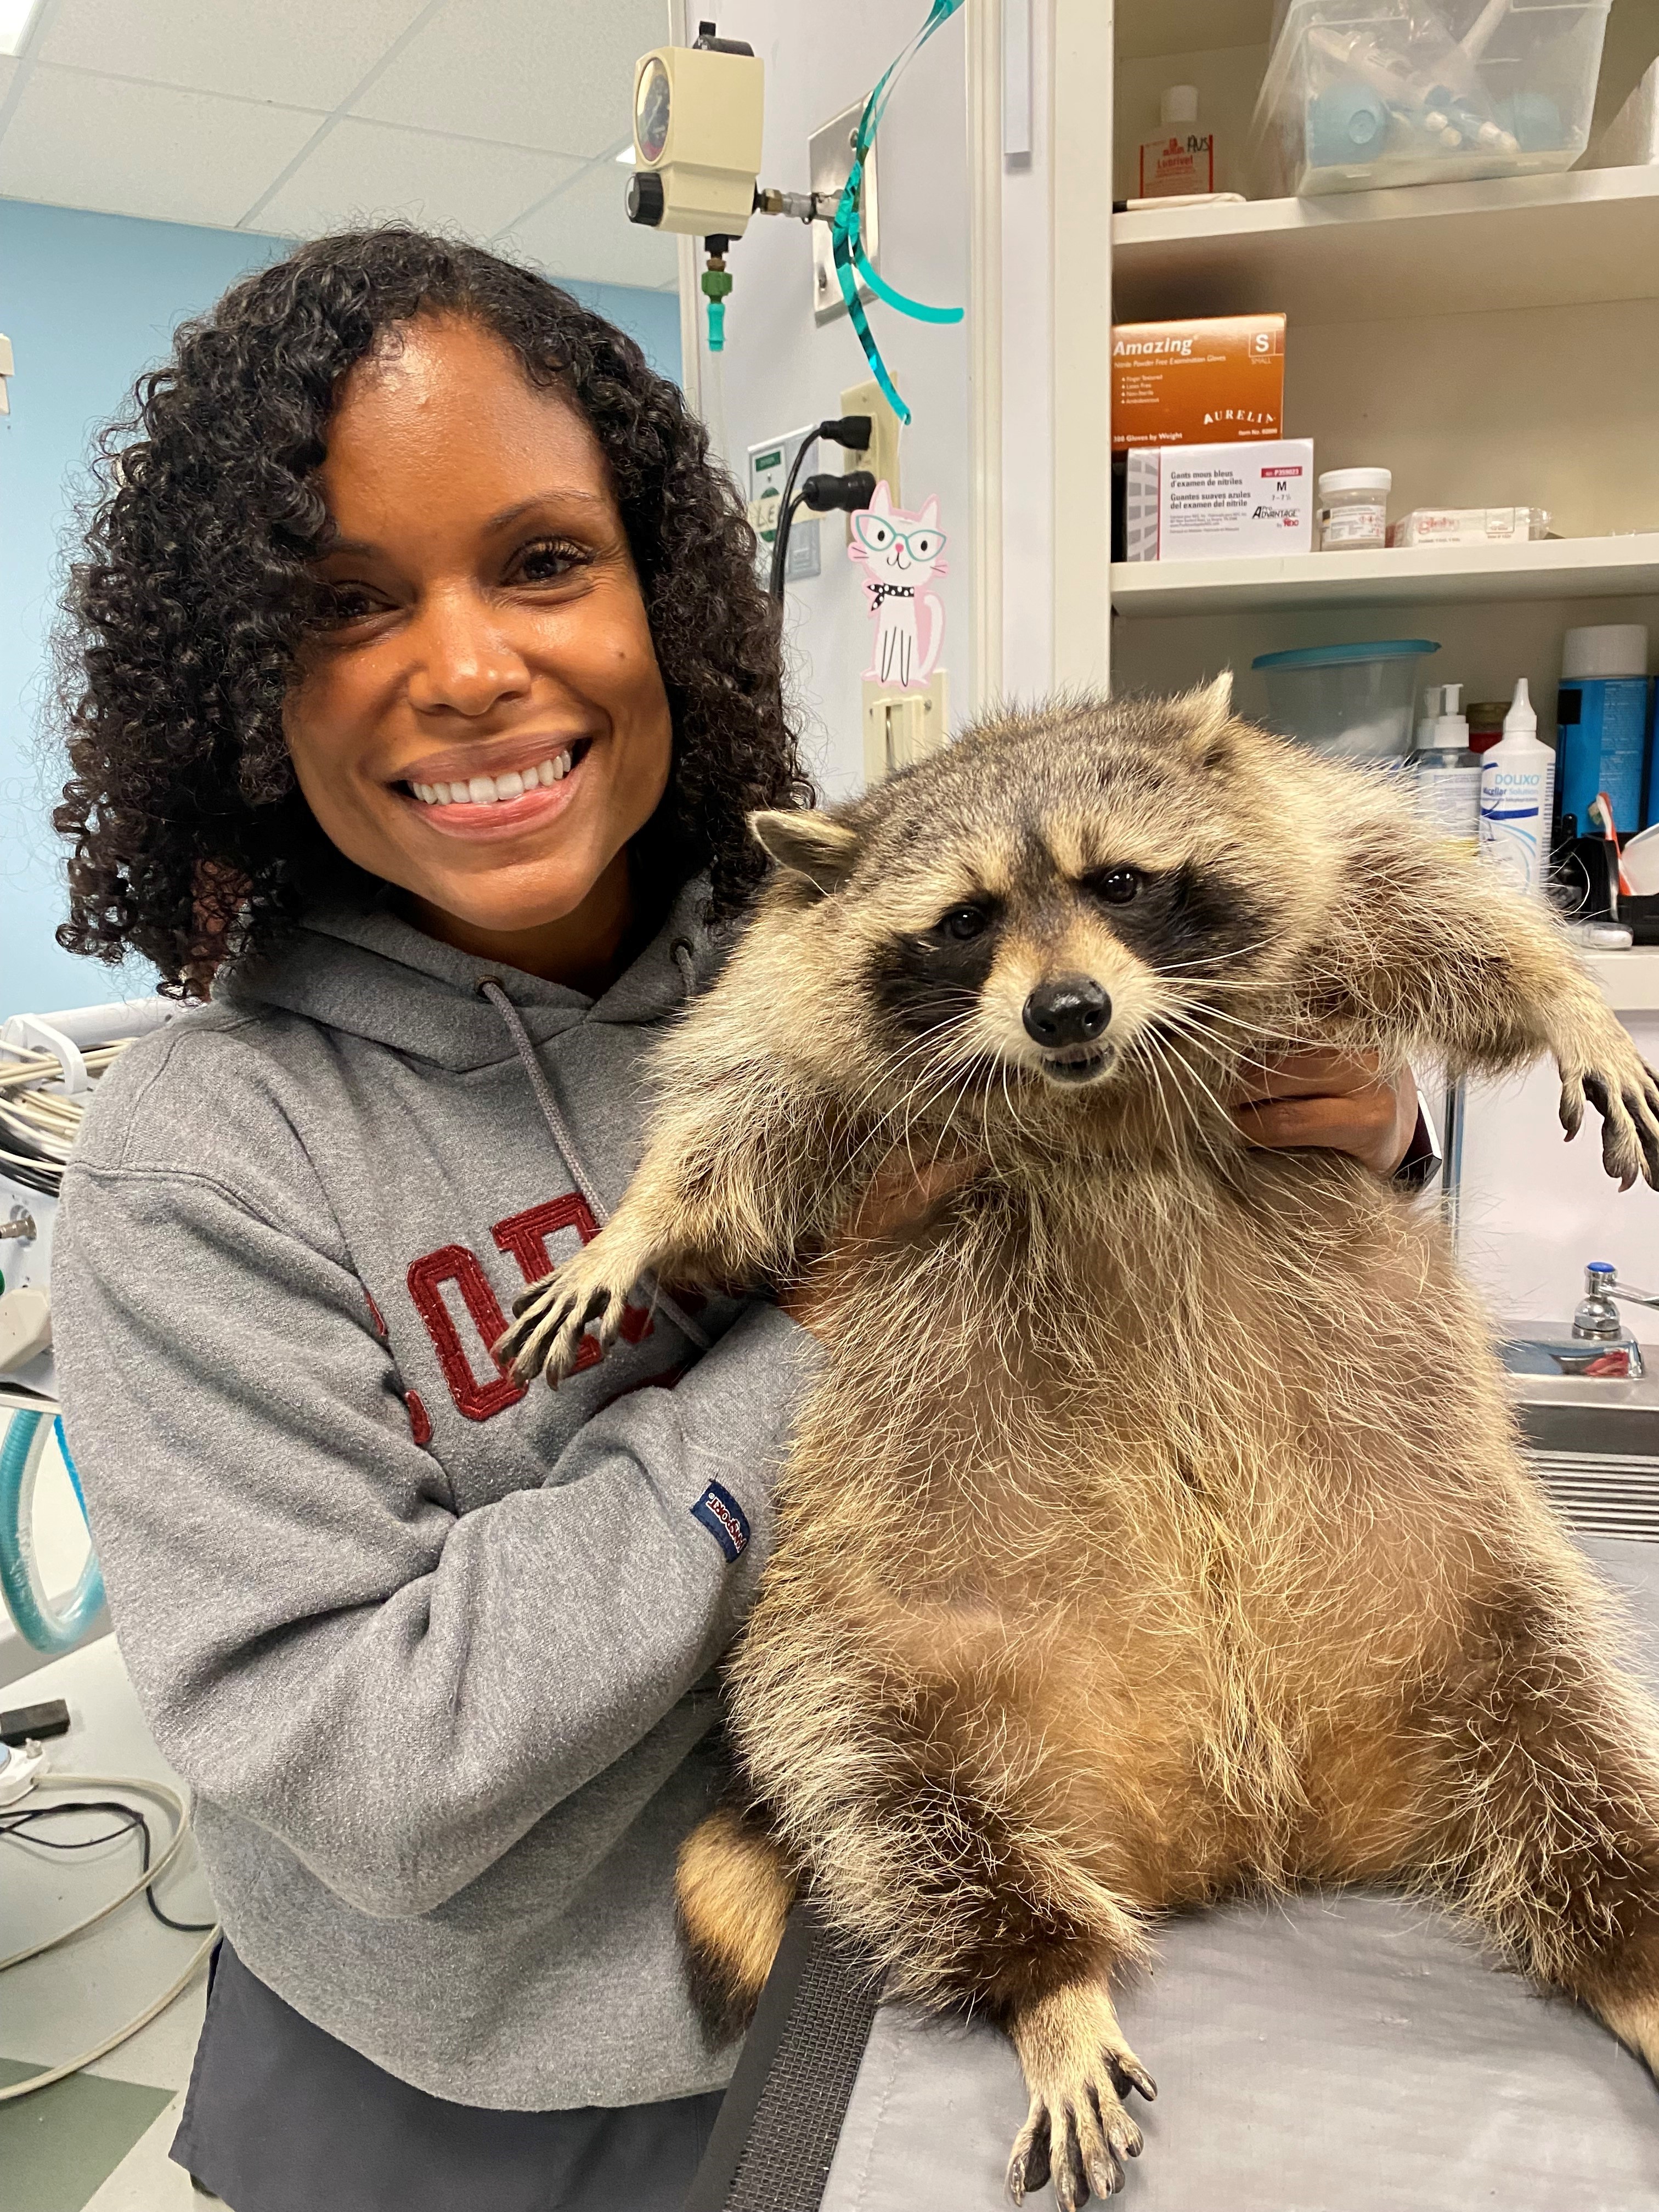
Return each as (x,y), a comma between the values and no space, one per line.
(1595,1447)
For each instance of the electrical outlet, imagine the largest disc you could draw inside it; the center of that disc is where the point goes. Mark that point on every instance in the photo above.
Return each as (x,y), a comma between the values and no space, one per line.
(901,727)
(881,455)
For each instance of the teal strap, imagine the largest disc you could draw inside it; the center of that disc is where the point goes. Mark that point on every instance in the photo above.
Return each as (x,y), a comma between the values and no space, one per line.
(851,262)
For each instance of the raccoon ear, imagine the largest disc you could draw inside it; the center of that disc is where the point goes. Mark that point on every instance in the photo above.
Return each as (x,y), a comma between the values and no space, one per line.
(1209,713)
(809,845)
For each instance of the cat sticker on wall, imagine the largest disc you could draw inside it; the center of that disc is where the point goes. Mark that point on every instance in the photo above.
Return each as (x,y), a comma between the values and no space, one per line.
(902,555)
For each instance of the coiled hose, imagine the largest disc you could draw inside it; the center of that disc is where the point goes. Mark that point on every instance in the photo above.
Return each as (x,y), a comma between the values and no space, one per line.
(51,1629)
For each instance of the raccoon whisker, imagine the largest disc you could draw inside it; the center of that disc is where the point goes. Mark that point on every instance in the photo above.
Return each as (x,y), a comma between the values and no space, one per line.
(1206,1136)
(1141,1054)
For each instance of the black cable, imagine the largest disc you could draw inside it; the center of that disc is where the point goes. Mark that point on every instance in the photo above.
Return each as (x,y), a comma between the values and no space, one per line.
(853,431)
(785,517)
(131,1821)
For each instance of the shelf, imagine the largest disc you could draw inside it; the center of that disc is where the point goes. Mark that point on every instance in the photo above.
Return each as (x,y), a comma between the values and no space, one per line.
(1553,568)
(1550,241)
(1629,980)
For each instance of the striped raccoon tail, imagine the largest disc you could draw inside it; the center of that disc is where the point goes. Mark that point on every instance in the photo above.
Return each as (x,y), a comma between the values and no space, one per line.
(734,1889)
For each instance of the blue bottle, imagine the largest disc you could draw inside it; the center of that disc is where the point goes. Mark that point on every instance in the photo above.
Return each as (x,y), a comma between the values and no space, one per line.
(1602,725)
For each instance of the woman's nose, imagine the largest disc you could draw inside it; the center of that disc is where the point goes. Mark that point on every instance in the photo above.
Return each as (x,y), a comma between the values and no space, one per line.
(463,662)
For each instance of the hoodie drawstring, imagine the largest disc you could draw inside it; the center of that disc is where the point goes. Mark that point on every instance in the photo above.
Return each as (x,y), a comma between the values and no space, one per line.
(553,1115)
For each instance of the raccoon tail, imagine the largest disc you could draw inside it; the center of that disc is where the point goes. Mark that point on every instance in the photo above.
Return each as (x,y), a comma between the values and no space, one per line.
(734,1889)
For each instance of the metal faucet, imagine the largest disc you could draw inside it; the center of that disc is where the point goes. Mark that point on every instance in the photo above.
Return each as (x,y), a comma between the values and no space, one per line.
(1600,1346)
(1596,1318)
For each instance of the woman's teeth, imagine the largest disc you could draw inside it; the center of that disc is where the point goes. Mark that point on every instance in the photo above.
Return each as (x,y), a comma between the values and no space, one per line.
(491,790)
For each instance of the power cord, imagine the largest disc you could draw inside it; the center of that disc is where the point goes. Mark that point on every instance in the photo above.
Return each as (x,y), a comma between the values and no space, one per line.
(15,1824)
(853,431)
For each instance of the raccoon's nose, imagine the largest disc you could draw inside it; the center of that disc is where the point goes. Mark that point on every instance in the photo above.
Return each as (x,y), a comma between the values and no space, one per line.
(1072,1010)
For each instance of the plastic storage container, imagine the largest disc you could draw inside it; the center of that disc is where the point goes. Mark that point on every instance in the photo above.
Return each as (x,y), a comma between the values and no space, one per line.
(1349,701)
(1354,510)
(1361,94)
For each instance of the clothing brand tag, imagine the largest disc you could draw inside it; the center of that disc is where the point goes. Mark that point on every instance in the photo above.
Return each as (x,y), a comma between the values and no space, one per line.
(725,1520)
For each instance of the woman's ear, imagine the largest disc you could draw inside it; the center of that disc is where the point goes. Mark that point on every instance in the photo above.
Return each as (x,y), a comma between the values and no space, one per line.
(809,845)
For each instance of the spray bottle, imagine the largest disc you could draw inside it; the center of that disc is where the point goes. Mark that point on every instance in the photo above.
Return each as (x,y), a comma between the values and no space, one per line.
(1517,782)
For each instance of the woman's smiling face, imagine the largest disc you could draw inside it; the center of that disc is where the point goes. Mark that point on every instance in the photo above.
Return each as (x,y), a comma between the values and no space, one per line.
(481,722)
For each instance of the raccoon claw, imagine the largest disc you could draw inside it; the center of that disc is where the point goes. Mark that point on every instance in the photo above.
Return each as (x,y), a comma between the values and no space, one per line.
(1628,1102)
(1081,2141)
(550,1321)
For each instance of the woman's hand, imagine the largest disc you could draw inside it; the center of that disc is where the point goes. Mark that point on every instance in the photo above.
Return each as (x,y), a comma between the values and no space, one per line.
(902,1192)
(1337,1102)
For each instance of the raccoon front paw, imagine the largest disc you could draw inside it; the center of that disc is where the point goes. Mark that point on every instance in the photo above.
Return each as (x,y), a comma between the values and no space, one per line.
(552,1316)
(1079,2069)
(1624,1092)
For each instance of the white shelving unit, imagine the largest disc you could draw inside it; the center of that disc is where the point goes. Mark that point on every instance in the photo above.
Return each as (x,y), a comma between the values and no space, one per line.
(1578,568)
(1560,241)
(1491,344)
(1629,980)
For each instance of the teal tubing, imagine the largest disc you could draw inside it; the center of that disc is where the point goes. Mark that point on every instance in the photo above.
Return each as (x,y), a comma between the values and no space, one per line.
(50,1631)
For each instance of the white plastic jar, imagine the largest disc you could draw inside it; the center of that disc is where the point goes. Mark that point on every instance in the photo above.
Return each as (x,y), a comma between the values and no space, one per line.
(1354,510)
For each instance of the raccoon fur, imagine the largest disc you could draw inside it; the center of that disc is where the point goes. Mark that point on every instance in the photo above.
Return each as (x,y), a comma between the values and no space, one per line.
(1158,1529)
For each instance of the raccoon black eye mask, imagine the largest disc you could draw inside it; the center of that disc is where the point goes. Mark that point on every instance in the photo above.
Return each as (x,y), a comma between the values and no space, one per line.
(1345,1637)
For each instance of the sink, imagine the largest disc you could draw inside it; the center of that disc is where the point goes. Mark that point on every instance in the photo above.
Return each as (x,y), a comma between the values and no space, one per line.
(1594,1446)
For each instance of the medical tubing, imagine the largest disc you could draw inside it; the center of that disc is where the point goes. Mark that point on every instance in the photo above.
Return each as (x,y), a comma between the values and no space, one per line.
(50,1632)
(846,229)
(553,1115)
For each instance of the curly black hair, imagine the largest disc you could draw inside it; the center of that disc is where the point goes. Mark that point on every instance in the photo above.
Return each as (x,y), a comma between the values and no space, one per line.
(191,841)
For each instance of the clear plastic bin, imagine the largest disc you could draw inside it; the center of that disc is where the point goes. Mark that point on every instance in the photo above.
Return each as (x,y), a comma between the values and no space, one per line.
(1354,703)
(1361,94)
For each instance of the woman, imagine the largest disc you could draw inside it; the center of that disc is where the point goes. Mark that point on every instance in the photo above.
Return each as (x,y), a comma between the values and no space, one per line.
(424,685)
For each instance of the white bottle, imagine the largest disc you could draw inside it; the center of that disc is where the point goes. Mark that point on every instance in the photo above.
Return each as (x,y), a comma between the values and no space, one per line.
(1447,784)
(1517,785)
(1181,158)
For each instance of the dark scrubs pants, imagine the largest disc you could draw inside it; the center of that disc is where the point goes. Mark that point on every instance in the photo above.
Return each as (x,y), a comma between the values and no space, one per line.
(282,2118)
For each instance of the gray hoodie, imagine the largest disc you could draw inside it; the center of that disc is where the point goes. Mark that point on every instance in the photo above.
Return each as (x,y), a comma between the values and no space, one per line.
(434,1651)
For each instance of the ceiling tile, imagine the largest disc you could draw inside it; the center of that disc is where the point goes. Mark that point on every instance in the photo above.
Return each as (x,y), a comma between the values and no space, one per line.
(371,171)
(584,233)
(307,53)
(93,141)
(551,73)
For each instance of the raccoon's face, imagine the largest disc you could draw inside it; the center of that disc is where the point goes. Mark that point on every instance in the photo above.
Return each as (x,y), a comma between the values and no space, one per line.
(1075,901)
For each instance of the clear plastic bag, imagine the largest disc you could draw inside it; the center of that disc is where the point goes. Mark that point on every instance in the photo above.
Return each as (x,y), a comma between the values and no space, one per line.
(1361,94)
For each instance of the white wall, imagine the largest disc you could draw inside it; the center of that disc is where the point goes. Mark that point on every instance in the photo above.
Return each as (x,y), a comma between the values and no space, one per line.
(1534,1209)
(780,369)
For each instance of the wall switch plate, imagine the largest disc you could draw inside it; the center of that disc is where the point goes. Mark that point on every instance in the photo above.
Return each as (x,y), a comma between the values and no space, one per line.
(769,464)
(881,455)
(901,727)
(828,158)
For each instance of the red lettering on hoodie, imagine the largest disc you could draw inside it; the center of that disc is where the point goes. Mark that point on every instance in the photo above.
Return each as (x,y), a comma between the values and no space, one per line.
(524,1236)
(454,1263)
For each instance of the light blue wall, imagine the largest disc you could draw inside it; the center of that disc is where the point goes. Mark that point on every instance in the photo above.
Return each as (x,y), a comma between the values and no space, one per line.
(88,301)
(651,317)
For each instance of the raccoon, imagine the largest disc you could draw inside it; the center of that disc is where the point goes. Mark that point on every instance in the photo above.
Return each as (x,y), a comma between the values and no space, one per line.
(1158,1529)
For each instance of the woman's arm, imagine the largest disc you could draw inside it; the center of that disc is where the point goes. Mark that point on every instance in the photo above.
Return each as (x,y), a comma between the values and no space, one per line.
(321,1642)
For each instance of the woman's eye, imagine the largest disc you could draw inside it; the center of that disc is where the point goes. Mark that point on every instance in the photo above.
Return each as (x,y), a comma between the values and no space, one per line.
(345,604)
(548,560)
(963,922)
(1117,886)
